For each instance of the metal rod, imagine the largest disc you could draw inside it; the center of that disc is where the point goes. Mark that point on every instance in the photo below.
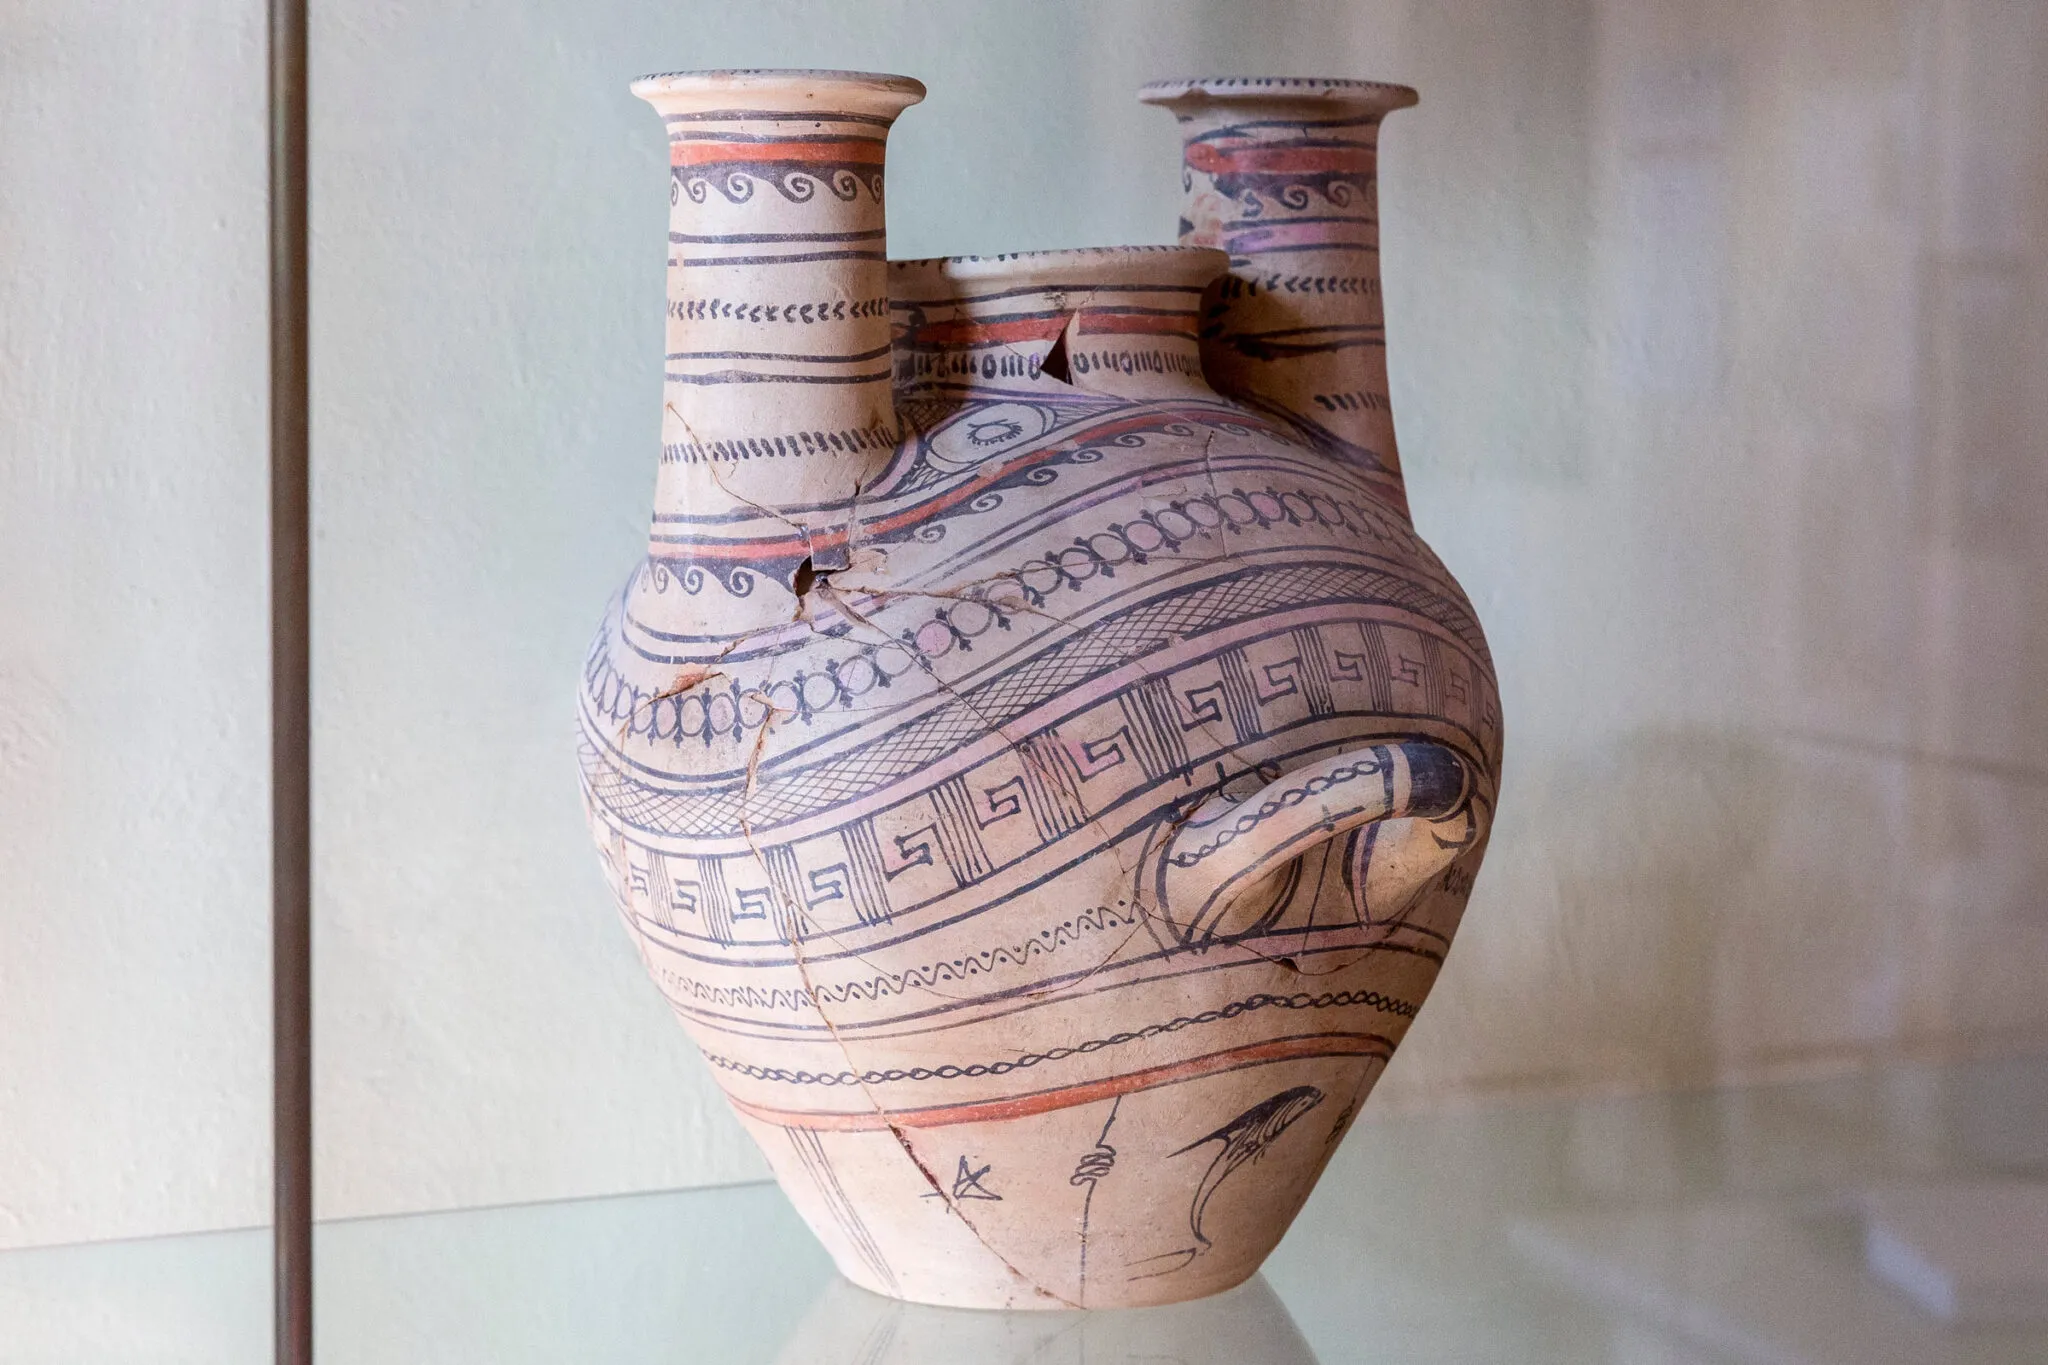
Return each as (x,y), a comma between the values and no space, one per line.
(291,833)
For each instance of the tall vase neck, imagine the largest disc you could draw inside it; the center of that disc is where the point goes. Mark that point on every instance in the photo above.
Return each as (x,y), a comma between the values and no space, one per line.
(776,396)
(1283,175)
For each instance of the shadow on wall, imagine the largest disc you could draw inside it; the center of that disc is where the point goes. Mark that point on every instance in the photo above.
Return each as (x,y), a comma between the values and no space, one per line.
(1699,908)
(1776,659)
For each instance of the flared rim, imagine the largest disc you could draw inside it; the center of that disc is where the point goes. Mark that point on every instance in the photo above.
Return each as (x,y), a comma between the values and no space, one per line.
(791,88)
(1329,90)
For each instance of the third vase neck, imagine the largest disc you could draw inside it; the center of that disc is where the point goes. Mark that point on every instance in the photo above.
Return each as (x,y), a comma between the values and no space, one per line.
(1283,175)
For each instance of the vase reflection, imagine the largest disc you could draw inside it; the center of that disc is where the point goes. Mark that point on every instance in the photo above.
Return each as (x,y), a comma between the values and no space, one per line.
(849,1326)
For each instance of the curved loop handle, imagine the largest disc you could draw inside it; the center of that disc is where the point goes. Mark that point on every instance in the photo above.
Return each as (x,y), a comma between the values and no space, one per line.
(1227,847)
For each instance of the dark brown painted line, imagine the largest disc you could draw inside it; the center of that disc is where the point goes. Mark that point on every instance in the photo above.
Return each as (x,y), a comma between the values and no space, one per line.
(725,135)
(1307,1047)
(770,238)
(1343,219)
(1034,995)
(776,116)
(756,377)
(1292,126)
(1241,259)
(857,357)
(1073,283)
(698,262)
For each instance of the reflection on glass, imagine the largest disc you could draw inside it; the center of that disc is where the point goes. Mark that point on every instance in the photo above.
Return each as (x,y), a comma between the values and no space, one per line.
(849,1326)
(1713,328)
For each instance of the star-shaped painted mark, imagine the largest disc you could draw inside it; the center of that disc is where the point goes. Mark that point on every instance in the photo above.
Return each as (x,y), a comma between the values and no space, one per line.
(967,1184)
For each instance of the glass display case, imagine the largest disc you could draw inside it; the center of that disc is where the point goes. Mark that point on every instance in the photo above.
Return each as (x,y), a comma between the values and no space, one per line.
(1712,333)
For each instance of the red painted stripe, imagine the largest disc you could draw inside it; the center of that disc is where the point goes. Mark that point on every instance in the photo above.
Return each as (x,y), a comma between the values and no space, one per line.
(1066,1097)
(1267,158)
(1093,324)
(967,332)
(860,151)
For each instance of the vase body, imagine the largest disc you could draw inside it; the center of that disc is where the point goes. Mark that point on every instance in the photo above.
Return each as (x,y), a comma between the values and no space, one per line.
(1043,785)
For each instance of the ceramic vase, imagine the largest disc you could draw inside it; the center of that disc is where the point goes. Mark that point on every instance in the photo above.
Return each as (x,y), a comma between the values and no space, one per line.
(1036,758)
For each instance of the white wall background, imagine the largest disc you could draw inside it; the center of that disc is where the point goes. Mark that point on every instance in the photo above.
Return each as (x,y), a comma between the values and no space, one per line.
(1716,334)
(134,805)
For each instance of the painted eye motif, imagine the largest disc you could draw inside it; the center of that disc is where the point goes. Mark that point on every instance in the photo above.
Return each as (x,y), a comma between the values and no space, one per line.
(983,431)
(994,433)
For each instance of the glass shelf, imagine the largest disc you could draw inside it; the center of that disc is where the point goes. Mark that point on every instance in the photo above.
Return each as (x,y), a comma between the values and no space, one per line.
(1688,1229)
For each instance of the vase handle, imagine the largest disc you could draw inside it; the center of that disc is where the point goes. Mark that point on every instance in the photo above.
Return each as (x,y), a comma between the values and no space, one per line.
(1224,848)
